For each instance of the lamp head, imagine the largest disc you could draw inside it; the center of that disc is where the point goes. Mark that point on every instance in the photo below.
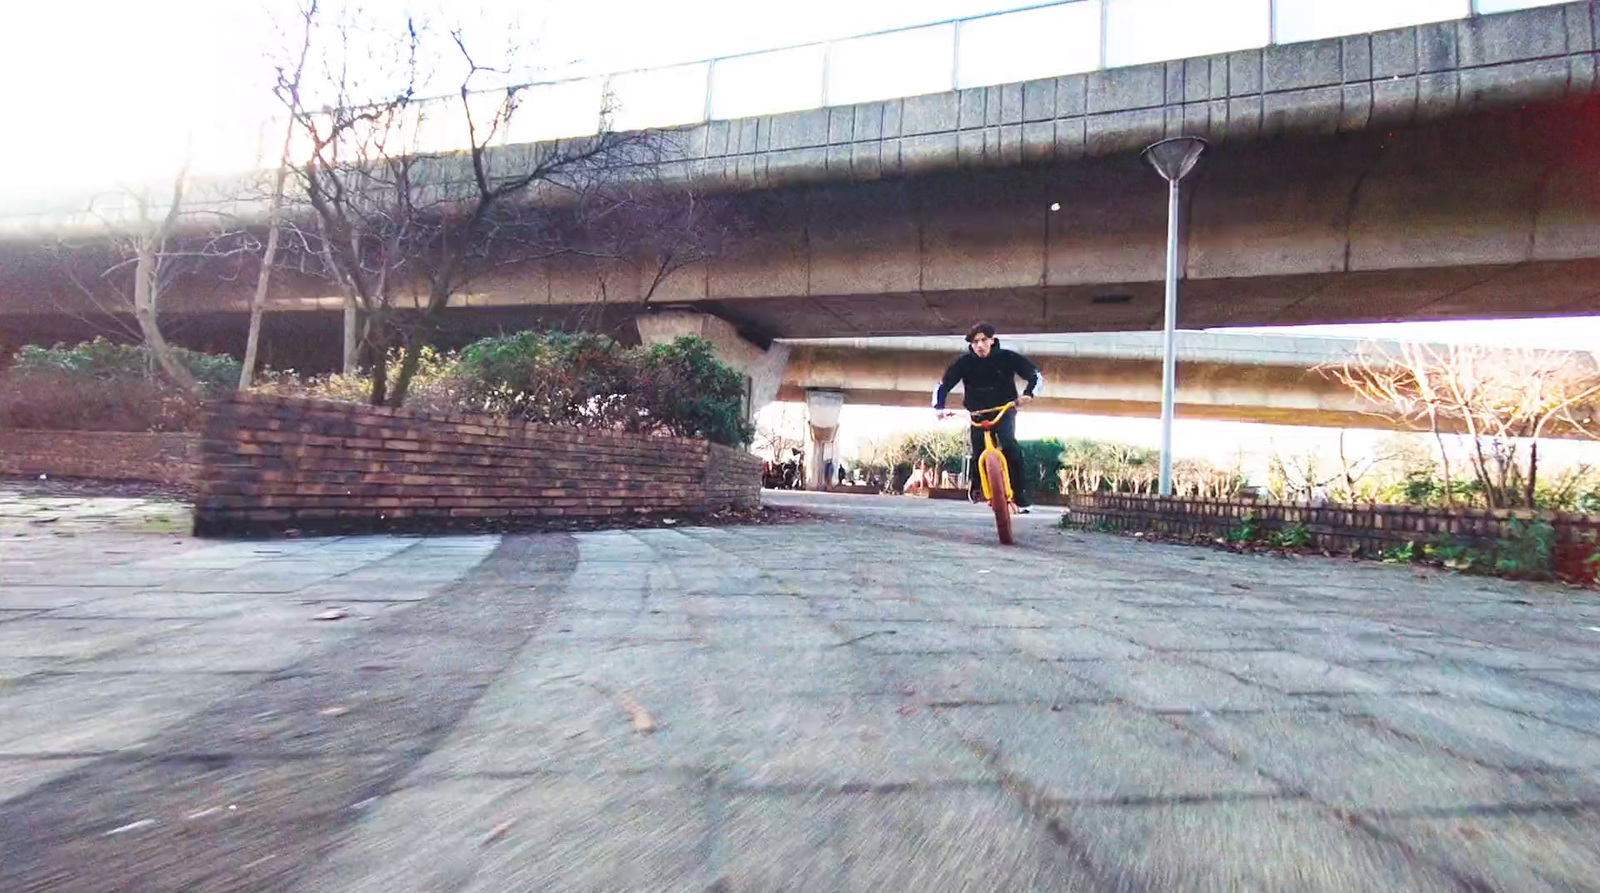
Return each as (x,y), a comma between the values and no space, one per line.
(1175,157)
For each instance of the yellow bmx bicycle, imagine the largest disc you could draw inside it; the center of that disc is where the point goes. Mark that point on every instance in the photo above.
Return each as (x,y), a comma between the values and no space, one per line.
(992,472)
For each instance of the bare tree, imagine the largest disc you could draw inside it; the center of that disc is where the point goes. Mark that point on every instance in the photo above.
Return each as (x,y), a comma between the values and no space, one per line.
(130,269)
(403,229)
(287,81)
(781,430)
(1501,401)
(149,247)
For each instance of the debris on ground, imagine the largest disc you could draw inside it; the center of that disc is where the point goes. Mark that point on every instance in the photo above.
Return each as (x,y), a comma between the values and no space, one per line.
(642,722)
(497,832)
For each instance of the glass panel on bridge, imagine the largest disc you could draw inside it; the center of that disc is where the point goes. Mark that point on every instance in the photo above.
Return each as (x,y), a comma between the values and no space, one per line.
(1140,31)
(661,97)
(767,83)
(442,124)
(1299,20)
(227,147)
(554,111)
(1031,44)
(1486,7)
(888,66)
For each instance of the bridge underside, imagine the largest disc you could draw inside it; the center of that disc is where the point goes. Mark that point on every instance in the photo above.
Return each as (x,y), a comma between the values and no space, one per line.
(1233,390)
(1493,215)
(1127,409)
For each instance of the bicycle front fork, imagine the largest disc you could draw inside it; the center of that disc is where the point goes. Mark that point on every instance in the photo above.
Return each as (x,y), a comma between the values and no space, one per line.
(983,469)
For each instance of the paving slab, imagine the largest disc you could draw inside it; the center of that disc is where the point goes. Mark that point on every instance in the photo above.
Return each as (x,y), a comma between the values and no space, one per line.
(75,713)
(1538,851)
(19,775)
(1480,732)
(1168,687)
(978,839)
(1088,753)
(1362,767)
(1299,674)
(978,679)
(80,638)
(493,835)
(1223,846)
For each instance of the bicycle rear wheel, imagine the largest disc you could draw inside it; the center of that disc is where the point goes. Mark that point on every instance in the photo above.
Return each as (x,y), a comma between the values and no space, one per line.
(994,466)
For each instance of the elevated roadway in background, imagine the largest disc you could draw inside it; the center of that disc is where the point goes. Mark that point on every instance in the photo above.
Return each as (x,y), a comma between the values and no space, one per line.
(1274,379)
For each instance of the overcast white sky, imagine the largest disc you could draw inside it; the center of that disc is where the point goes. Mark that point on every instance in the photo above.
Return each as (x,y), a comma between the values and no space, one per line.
(86,82)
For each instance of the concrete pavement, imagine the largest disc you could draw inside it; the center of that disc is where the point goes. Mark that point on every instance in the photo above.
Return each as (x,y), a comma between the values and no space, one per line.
(878,699)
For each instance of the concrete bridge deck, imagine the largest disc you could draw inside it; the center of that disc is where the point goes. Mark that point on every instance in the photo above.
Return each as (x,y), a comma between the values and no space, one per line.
(1224,376)
(877,699)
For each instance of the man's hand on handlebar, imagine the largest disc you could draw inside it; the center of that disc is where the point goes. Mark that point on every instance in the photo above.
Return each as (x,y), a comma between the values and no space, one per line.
(1024,400)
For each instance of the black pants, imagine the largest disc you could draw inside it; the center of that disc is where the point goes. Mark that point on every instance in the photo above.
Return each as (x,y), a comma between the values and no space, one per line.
(1006,434)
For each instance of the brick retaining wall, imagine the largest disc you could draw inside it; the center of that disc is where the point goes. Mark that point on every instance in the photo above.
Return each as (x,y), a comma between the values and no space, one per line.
(275,463)
(1369,528)
(109,455)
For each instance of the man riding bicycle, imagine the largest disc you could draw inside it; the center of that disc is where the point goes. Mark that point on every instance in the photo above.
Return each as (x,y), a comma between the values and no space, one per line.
(988,374)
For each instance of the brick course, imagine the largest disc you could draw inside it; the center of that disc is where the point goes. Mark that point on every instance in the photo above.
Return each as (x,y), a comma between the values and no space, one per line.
(1368,528)
(107,455)
(276,463)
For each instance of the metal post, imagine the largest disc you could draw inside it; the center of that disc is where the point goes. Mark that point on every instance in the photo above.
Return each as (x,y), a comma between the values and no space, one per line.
(1168,339)
(955,57)
(711,77)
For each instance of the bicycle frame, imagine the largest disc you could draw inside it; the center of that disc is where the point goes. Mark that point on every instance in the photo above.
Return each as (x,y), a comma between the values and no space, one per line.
(989,446)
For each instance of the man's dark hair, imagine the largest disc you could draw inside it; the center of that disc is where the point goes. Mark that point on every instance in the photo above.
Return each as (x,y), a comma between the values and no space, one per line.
(981,328)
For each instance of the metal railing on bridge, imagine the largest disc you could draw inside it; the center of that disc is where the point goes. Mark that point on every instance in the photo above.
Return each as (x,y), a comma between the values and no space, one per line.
(1046,40)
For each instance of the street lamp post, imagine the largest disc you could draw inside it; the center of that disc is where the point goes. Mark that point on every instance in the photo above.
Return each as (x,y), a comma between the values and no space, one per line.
(1173,159)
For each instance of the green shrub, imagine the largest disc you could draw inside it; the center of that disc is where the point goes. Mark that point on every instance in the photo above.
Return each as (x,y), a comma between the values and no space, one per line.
(588,380)
(100,385)
(1526,551)
(51,400)
(1404,554)
(1296,537)
(1042,458)
(683,389)
(433,386)
(104,360)
(1246,531)
(1461,556)
(550,377)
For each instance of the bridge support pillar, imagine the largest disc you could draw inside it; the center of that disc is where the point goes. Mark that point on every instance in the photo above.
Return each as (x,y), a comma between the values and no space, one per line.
(762,368)
(822,423)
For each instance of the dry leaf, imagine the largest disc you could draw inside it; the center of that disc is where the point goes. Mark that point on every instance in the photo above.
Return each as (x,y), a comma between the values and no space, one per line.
(497,832)
(642,723)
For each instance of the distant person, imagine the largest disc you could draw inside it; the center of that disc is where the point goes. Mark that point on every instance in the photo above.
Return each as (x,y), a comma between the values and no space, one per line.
(988,374)
(915,482)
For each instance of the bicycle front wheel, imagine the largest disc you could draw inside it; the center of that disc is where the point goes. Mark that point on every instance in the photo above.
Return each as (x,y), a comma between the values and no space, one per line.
(994,466)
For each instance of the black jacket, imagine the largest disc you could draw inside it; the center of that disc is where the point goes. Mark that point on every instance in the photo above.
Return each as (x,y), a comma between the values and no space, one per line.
(988,381)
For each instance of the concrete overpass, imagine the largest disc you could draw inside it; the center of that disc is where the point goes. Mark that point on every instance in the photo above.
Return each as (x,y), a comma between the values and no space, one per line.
(1233,377)
(1441,170)
(1227,377)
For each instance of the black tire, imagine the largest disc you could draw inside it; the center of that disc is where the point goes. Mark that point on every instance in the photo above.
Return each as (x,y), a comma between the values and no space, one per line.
(995,467)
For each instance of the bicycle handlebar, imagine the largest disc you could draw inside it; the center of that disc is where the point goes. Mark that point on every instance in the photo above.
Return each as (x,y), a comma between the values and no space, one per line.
(1000,413)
